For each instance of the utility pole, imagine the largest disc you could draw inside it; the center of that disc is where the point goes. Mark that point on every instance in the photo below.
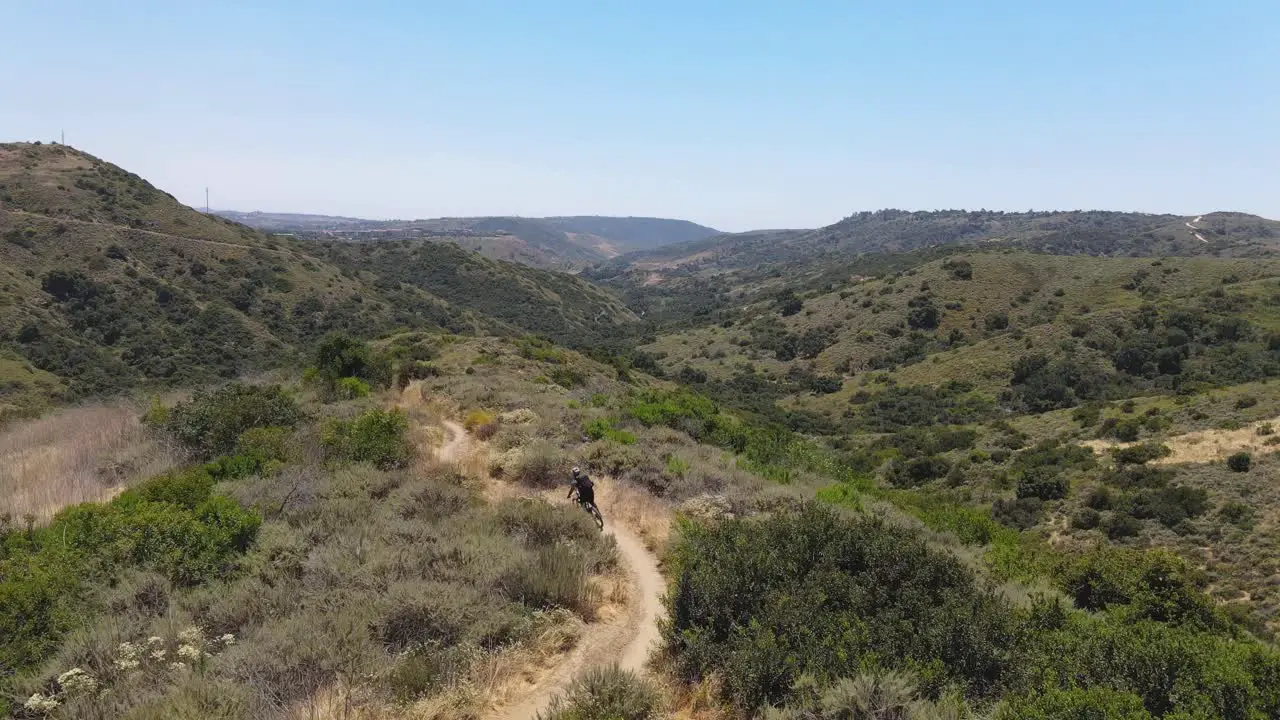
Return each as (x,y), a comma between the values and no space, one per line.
(206,201)
(64,138)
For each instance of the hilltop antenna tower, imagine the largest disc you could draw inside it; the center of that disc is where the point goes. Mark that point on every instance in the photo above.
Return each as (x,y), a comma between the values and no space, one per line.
(206,201)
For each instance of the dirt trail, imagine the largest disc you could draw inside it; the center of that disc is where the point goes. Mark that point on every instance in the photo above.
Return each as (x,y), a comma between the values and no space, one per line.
(626,639)
(455,442)
(1195,230)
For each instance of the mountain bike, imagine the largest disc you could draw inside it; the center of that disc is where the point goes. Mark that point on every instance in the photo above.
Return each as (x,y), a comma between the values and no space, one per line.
(591,508)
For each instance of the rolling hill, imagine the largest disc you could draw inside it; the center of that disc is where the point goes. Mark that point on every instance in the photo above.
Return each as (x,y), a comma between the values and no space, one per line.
(1099,233)
(1055,470)
(553,242)
(991,376)
(107,282)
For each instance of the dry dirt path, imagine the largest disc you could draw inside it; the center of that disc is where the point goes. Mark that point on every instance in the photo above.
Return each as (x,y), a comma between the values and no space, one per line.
(1195,230)
(625,640)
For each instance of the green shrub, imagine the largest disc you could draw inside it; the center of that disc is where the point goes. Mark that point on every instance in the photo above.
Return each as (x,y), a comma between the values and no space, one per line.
(534,348)
(1237,514)
(1176,671)
(1240,462)
(1045,483)
(829,594)
(678,409)
(350,388)
(1087,415)
(1151,585)
(873,695)
(1169,505)
(187,488)
(1086,519)
(918,471)
(960,269)
(607,429)
(169,524)
(1122,525)
(1139,476)
(1022,513)
(338,356)
(1096,703)
(606,693)
(378,437)
(211,424)
(1126,430)
(260,451)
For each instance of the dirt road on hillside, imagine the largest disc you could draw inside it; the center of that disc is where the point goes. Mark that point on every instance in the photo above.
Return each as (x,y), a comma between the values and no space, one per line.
(625,640)
(1195,230)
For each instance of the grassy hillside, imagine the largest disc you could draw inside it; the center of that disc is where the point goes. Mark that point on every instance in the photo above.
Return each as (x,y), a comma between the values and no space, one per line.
(556,242)
(107,283)
(972,377)
(964,481)
(317,558)
(556,305)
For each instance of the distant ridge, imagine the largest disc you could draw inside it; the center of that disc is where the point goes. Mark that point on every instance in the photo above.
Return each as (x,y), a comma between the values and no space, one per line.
(553,242)
(1079,232)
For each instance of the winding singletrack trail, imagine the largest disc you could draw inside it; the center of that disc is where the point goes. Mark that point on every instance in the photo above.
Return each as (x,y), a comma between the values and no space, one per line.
(1195,230)
(625,640)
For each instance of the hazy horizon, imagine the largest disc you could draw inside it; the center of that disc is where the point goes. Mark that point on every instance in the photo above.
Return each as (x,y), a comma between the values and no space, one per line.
(738,116)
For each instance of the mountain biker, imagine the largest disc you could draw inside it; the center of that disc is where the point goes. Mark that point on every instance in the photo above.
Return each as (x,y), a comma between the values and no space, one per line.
(582,485)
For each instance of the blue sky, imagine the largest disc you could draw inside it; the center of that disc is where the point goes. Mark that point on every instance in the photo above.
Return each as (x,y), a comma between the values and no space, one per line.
(740,114)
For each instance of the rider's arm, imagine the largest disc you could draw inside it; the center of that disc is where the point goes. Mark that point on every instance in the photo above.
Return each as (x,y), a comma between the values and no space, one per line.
(572,488)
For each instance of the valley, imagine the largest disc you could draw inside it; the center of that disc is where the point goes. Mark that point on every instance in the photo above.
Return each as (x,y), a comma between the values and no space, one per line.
(561,243)
(911,464)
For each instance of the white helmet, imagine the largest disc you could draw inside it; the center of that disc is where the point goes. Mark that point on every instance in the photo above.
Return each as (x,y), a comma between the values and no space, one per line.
(577,470)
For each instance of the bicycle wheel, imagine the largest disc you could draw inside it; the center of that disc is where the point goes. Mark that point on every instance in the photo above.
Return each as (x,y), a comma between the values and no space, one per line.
(595,513)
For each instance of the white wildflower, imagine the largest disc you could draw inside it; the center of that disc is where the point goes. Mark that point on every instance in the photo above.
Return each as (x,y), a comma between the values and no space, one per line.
(155,640)
(177,666)
(41,703)
(76,681)
(189,653)
(227,639)
(192,636)
(158,654)
(127,656)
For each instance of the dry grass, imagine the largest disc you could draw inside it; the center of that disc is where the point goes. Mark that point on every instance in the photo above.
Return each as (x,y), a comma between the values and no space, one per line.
(493,681)
(73,456)
(498,678)
(1204,446)
(648,516)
